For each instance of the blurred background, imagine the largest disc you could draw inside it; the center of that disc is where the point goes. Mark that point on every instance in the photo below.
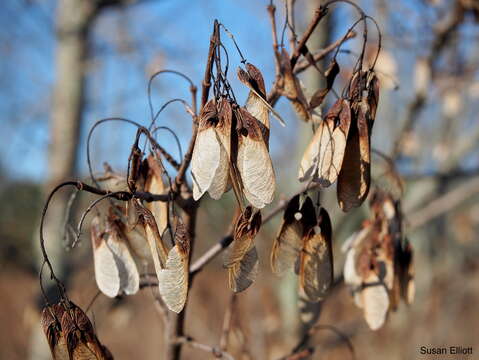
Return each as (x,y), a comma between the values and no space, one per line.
(66,64)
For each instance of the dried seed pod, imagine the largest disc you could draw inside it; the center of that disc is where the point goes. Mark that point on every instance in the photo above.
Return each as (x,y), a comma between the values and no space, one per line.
(257,101)
(378,265)
(316,262)
(375,301)
(221,182)
(298,219)
(210,158)
(255,105)
(173,280)
(355,176)
(157,247)
(292,88)
(324,155)
(206,155)
(253,161)
(155,185)
(107,274)
(115,269)
(50,321)
(242,263)
(81,340)
(318,97)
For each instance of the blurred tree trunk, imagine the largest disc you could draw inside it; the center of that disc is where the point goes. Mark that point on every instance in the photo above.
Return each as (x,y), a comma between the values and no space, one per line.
(74,20)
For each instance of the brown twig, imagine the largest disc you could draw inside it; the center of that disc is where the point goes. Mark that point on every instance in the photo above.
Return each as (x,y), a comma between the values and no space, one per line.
(321,54)
(318,15)
(227,323)
(275,92)
(443,204)
(217,353)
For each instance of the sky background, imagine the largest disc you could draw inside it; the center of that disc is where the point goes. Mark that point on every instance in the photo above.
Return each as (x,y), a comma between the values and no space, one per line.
(131,44)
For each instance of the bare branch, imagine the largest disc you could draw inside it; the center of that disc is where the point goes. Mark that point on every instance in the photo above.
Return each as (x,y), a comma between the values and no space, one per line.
(216,352)
(443,204)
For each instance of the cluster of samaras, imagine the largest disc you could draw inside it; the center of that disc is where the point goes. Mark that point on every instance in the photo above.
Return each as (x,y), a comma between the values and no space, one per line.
(379,262)
(340,148)
(70,333)
(232,146)
(123,234)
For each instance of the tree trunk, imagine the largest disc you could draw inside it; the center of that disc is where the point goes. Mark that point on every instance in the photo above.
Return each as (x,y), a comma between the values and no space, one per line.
(74,19)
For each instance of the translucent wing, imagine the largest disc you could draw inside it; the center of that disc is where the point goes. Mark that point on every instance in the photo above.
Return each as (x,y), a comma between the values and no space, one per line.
(205,160)
(375,301)
(155,185)
(127,270)
(107,274)
(254,164)
(287,244)
(350,179)
(355,176)
(316,267)
(206,153)
(243,273)
(242,263)
(221,181)
(323,157)
(157,247)
(173,281)
(252,79)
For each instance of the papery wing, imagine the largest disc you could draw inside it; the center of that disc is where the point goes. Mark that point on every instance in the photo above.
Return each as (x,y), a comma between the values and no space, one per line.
(255,104)
(107,274)
(156,185)
(205,160)
(157,247)
(375,301)
(127,270)
(221,180)
(350,180)
(318,153)
(286,247)
(254,165)
(287,244)
(173,281)
(246,79)
(243,273)
(316,266)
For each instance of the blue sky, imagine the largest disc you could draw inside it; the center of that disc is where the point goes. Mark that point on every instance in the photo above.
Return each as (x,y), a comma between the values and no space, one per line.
(172,34)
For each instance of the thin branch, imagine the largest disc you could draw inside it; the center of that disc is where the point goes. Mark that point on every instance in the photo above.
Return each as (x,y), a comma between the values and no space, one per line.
(216,352)
(318,15)
(443,204)
(321,54)
(227,323)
